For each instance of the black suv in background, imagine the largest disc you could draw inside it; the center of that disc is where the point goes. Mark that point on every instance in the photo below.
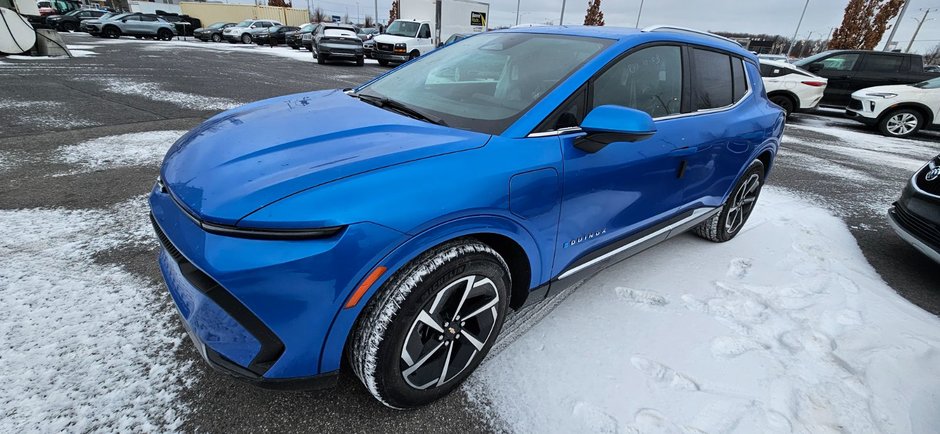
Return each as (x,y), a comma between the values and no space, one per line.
(851,70)
(71,20)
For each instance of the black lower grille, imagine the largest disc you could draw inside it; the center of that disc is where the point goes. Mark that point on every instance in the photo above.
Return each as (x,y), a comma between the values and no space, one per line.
(165,242)
(920,227)
(855,104)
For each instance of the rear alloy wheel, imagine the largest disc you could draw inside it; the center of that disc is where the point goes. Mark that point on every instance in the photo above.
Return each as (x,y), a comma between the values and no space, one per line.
(246,38)
(164,34)
(69,26)
(734,213)
(216,37)
(900,123)
(431,324)
(785,102)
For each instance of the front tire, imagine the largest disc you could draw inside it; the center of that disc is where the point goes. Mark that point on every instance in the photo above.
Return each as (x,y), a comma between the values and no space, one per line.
(734,213)
(112,32)
(901,123)
(360,61)
(69,26)
(164,34)
(216,37)
(431,324)
(383,62)
(246,38)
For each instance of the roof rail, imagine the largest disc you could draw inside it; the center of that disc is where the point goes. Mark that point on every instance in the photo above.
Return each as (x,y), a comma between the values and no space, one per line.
(688,30)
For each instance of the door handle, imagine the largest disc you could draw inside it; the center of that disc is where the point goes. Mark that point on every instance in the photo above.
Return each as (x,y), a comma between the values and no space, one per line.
(685,151)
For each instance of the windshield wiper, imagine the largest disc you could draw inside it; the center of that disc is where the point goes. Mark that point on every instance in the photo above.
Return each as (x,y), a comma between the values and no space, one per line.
(383,102)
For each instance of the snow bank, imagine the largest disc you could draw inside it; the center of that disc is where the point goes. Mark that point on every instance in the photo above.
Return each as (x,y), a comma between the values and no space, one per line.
(155,92)
(86,346)
(784,329)
(134,149)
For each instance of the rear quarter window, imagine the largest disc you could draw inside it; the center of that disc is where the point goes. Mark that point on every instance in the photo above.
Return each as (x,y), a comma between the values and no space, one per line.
(712,81)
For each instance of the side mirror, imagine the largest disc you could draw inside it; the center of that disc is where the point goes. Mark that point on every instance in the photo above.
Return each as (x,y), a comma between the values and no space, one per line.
(251,27)
(815,67)
(611,123)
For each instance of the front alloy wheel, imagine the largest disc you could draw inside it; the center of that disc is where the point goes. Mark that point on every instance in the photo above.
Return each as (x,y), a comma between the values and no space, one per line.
(246,38)
(431,324)
(901,123)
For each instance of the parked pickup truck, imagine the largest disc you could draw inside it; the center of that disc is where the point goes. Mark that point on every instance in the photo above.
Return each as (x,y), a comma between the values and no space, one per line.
(426,24)
(851,70)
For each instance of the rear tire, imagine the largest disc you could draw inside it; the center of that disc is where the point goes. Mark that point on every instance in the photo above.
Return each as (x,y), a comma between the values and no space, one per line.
(737,208)
(901,123)
(443,310)
(785,102)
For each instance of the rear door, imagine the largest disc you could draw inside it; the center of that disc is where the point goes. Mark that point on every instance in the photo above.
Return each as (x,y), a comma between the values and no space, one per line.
(879,69)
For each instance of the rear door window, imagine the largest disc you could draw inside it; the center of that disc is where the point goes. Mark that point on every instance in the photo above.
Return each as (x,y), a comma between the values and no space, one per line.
(738,78)
(882,63)
(712,80)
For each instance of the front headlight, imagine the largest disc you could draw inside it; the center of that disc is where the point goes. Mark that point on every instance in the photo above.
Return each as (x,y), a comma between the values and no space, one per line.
(401,48)
(885,95)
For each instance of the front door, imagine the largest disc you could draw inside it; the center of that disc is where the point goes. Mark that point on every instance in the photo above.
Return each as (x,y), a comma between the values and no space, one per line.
(612,194)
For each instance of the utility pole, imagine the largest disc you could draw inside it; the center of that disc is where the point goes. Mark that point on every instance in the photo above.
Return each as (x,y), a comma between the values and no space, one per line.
(638,13)
(798,24)
(376,16)
(896,23)
(517,11)
(561,21)
(919,23)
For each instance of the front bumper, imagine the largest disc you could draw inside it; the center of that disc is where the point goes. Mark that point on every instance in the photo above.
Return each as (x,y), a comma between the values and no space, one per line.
(261,310)
(916,218)
(391,57)
(340,50)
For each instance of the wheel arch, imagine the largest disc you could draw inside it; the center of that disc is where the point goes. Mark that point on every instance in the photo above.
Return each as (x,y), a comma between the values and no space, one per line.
(513,242)
(783,92)
(924,111)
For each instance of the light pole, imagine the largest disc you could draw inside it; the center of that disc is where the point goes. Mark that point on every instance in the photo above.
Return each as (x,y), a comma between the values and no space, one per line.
(919,23)
(798,24)
(638,13)
(561,21)
(517,11)
(896,23)
(376,16)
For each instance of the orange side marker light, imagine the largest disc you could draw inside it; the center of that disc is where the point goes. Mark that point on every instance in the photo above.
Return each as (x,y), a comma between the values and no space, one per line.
(364,287)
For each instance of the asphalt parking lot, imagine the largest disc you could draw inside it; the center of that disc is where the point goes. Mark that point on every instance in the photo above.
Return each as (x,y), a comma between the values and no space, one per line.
(127,86)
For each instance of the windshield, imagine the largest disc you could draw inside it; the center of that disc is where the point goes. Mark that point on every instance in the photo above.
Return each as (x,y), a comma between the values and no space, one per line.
(246,23)
(812,59)
(486,82)
(217,25)
(306,27)
(933,83)
(403,28)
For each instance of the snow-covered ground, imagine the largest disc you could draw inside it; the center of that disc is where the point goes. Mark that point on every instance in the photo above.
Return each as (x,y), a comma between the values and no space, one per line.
(87,345)
(784,329)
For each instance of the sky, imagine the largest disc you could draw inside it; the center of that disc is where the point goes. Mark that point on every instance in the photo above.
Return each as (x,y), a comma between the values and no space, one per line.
(769,16)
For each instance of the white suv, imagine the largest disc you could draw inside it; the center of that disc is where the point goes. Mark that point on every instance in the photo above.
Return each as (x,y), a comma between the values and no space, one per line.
(244,31)
(897,110)
(790,87)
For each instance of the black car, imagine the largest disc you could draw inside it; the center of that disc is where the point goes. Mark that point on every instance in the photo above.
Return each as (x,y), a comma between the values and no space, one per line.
(185,25)
(337,42)
(72,20)
(851,70)
(273,35)
(295,39)
(213,32)
(916,215)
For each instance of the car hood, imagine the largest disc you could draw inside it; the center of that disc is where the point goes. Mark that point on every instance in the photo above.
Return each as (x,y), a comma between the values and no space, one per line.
(900,89)
(243,159)
(391,39)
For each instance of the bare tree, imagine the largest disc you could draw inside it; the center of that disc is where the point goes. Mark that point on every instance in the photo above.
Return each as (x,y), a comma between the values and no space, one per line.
(393,12)
(369,22)
(594,16)
(317,16)
(279,3)
(864,23)
(932,56)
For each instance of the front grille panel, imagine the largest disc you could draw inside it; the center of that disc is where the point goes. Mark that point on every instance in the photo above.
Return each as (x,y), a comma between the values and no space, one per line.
(384,47)
(855,104)
(924,229)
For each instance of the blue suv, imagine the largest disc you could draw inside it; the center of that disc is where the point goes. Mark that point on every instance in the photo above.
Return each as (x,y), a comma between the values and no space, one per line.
(396,224)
